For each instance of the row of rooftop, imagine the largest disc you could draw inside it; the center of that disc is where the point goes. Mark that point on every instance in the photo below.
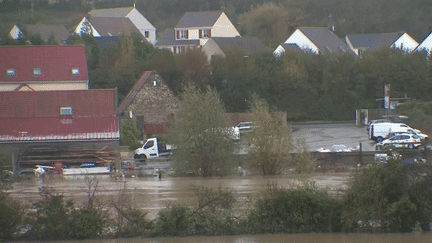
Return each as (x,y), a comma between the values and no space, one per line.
(215,34)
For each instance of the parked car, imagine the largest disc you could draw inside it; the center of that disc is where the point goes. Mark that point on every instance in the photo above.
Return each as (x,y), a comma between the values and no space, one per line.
(245,126)
(411,131)
(376,121)
(403,140)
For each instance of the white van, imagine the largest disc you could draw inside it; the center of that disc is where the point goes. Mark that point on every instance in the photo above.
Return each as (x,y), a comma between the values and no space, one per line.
(380,131)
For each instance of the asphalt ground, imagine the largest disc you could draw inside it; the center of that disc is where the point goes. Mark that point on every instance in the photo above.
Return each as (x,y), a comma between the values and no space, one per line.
(326,135)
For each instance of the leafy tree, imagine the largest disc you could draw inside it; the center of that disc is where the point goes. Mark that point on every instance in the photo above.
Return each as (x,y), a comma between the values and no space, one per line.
(201,135)
(195,68)
(271,22)
(51,40)
(130,134)
(270,140)
(36,39)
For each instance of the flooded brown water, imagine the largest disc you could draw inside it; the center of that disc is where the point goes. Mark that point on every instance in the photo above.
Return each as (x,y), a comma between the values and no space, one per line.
(291,238)
(152,195)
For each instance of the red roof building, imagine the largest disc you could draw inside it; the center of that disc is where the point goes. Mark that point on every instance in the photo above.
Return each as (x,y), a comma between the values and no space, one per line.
(43,68)
(55,116)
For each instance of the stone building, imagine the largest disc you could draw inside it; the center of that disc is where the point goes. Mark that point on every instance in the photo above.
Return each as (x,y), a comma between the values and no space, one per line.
(151,103)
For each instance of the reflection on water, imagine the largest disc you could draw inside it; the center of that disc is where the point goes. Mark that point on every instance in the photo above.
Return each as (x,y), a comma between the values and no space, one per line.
(151,194)
(291,238)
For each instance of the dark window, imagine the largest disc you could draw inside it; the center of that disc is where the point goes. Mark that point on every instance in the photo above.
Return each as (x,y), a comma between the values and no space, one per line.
(149,144)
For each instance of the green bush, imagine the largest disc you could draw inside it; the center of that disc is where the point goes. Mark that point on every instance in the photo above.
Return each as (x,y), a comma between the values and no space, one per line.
(391,197)
(11,215)
(299,210)
(175,220)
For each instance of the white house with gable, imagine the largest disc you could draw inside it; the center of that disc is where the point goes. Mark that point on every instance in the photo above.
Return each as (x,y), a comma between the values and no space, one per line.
(426,45)
(317,40)
(110,18)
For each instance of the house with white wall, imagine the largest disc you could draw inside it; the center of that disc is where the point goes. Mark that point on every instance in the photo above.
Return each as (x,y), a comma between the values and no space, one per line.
(114,21)
(317,40)
(360,43)
(426,45)
(194,29)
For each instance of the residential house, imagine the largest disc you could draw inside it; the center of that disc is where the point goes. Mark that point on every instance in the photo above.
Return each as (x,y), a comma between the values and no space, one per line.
(360,43)
(195,28)
(426,44)
(317,40)
(222,45)
(114,21)
(58,32)
(68,126)
(40,68)
(151,103)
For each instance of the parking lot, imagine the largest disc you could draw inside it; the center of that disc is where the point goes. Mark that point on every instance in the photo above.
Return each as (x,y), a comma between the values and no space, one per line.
(326,135)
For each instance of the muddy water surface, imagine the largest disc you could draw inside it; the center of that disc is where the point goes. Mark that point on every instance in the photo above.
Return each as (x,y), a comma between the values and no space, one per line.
(152,194)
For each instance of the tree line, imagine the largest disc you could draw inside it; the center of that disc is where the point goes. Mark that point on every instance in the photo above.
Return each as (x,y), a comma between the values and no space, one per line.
(305,85)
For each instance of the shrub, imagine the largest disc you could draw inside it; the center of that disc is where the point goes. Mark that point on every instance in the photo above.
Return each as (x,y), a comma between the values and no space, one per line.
(299,210)
(175,220)
(10,217)
(391,197)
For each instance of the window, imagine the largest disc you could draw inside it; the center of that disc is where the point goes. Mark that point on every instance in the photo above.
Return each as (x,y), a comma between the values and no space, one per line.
(75,71)
(37,72)
(66,111)
(154,83)
(146,34)
(205,33)
(149,144)
(10,72)
(182,34)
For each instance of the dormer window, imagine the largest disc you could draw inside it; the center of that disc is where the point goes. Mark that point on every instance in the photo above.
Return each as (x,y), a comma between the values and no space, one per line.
(10,72)
(146,34)
(66,111)
(37,72)
(75,71)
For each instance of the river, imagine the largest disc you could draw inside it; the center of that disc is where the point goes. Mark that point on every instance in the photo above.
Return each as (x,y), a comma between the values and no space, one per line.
(152,195)
(276,238)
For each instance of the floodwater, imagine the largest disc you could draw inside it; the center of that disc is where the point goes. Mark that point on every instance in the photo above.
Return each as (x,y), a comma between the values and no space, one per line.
(276,238)
(152,194)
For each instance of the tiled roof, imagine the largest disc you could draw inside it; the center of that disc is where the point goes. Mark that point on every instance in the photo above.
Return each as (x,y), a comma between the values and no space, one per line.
(374,42)
(59,31)
(111,12)
(34,116)
(325,40)
(168,39)
(55,63)
(249,44)
(113,26)
(134,91)
(198,19)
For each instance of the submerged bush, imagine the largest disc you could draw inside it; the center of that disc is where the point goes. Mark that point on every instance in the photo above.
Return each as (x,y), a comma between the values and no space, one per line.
(175,220)
(299,210)
(390,197)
